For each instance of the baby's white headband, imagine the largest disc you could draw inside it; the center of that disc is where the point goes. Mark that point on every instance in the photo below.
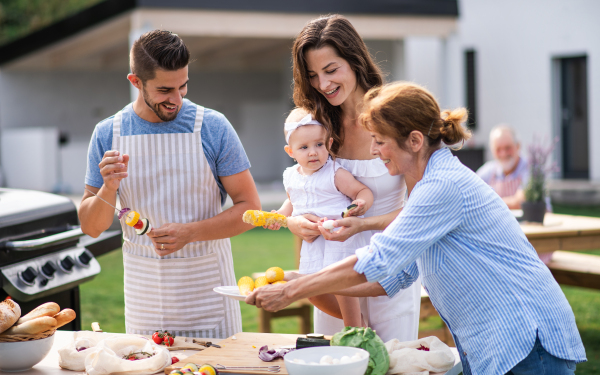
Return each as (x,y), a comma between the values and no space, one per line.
(291,126)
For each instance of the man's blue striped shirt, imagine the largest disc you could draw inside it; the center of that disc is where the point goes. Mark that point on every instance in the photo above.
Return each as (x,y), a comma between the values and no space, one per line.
(482,274)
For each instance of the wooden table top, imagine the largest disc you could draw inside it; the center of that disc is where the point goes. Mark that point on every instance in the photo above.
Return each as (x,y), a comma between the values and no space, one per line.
(562,225)
(564,232)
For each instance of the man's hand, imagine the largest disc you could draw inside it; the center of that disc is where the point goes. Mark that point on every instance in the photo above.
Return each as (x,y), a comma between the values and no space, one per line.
(113,169)
(270,297)
(170,238)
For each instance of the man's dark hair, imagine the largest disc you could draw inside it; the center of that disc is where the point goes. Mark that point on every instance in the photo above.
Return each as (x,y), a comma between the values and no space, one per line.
(157,49)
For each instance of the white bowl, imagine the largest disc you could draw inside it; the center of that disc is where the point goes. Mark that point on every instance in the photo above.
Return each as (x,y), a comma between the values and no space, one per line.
(21,356)
(316,353)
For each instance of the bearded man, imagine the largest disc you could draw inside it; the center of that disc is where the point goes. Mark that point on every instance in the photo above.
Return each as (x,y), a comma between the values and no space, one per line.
(508,172)
(174,162)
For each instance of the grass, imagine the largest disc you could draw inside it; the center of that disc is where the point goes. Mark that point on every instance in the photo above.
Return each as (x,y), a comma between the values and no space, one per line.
(258,249)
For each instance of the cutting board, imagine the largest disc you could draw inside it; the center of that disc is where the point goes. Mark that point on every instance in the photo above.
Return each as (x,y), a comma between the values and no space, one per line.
(243,351)
(182,343)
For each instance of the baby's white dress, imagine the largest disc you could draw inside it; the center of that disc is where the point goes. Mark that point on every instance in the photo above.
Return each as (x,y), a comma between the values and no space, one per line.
(391,318)
(317,194)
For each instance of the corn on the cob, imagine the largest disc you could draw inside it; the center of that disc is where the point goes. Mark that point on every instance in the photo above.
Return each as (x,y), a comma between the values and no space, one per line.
(260,218)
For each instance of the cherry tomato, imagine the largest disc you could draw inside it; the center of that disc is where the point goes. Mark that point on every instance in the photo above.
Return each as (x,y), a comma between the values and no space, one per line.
(174,360)
(168,340)
(157,338)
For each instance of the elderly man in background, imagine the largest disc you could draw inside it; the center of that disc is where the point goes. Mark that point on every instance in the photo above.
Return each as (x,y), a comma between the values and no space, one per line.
(508,172)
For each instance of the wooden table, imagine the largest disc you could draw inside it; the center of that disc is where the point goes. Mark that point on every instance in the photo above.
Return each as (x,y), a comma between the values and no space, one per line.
(568,233)
(49,365)
(564,232)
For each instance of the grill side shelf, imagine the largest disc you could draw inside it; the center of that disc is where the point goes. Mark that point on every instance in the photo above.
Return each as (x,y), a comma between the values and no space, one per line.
(105,243)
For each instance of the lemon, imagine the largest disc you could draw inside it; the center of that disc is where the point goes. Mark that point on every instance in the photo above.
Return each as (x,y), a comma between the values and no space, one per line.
(260,282)
(274,274)
(246,289)
(279,282)
(245,280)
(246,285)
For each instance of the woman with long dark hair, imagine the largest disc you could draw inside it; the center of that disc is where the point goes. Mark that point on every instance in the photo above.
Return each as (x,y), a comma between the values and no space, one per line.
(332,71)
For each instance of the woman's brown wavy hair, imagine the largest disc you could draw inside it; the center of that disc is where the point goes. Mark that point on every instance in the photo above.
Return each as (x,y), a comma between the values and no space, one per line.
(338,33)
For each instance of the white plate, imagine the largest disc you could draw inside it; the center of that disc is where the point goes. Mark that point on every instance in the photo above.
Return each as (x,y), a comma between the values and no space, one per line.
(230,291)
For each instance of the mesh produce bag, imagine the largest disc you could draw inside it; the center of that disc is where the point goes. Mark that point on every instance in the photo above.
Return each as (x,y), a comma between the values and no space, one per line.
(407,359)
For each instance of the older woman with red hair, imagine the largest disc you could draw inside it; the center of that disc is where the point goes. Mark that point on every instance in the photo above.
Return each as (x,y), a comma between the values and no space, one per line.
(506,312)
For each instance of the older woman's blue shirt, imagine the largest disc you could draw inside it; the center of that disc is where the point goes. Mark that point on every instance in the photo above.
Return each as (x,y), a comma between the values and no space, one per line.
(482,274)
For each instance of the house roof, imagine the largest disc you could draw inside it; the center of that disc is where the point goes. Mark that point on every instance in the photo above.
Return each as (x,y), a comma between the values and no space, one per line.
(108,9)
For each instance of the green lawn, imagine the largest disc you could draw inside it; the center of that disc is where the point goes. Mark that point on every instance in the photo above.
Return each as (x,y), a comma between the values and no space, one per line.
(258,249)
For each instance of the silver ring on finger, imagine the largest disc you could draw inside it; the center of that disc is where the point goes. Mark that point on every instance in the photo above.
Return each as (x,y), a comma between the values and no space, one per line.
(162,246)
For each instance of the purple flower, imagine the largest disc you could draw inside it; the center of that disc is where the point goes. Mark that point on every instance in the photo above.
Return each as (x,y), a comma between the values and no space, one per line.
(539,153)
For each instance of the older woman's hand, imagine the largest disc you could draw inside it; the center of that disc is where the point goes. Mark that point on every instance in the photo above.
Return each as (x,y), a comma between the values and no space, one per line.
(269,297)
(305,226)
(291,275)
(349,227)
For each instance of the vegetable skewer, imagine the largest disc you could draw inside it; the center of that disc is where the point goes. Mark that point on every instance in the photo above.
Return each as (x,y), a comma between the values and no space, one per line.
(141,226)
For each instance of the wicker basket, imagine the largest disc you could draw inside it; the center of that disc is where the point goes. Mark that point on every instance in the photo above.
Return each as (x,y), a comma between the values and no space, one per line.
(22,338)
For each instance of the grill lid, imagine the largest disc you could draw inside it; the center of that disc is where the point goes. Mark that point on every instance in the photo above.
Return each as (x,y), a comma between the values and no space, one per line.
(24,206)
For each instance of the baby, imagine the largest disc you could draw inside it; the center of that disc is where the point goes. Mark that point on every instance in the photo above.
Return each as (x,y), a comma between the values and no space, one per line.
(318,185)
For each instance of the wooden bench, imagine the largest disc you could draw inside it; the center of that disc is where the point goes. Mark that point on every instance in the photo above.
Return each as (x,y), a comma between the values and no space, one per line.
(569,268)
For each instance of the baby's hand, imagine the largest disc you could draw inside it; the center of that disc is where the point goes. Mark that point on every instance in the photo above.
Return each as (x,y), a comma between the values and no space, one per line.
(359,210)
(275,226)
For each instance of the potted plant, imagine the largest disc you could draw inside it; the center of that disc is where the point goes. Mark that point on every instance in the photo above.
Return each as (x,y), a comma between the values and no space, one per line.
(534,207)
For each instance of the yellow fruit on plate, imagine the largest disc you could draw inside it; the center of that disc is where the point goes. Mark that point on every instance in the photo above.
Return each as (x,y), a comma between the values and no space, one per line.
(246,285)
(245,289)
(245,280)
(279,282)
(274,274)
(260,282)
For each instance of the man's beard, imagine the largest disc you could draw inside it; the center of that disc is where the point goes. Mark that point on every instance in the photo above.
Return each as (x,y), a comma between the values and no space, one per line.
(157,109)
(509,164)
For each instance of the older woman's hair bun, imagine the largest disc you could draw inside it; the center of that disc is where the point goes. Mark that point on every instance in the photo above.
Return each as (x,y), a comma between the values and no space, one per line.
(397,109)
(452,131)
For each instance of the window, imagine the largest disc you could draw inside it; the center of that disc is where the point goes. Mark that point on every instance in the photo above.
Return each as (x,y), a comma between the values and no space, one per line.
(470,88)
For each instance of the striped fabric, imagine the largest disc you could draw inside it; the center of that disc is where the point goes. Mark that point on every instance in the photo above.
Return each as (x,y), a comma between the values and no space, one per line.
(481,273)
(170,181)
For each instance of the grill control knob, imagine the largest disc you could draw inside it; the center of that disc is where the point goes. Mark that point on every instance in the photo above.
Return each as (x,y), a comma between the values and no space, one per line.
(29,275)
(85,258)
(48,269)
(67,263)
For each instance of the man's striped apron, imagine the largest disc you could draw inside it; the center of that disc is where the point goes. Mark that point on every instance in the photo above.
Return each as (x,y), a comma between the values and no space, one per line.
(170,181)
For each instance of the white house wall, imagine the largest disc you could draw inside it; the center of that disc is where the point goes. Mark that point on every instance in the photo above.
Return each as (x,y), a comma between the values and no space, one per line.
(515,42)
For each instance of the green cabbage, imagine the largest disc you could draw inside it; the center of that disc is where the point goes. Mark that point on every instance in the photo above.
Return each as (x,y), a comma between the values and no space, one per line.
(367,339)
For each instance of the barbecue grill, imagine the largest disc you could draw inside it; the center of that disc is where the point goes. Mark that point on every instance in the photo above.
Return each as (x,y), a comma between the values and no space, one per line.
(44,255)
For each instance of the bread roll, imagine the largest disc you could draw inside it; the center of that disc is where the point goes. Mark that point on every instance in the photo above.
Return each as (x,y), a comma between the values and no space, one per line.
(32,327)
(10,312)
(47,309)
(64,317)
